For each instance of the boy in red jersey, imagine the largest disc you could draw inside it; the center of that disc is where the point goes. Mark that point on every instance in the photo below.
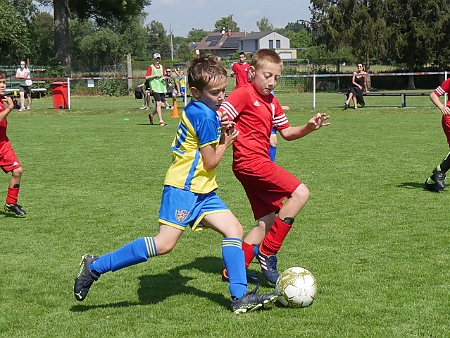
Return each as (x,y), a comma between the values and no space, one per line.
(436,182)
(8,159)
(240,71)
(255,110)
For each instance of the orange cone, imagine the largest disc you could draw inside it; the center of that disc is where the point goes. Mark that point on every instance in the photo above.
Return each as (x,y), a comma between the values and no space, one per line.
(175,110)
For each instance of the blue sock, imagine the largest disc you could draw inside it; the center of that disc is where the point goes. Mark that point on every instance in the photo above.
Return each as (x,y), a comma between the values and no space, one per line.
(272,153)
(132,253)
(233,259)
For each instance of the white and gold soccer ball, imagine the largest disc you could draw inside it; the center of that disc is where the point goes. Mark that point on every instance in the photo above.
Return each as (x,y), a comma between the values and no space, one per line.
(296,287)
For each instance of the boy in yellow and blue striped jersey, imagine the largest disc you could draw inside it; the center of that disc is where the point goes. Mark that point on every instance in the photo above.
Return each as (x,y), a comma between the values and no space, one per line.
(189,197)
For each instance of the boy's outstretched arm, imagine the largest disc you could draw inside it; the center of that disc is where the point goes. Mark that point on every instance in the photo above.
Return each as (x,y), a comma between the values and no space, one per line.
(314,123)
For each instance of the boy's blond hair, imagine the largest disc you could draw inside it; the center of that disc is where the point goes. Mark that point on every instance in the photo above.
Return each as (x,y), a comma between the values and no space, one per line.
(263,56)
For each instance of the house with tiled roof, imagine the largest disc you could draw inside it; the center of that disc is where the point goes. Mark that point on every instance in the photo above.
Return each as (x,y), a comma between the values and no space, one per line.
(226,44)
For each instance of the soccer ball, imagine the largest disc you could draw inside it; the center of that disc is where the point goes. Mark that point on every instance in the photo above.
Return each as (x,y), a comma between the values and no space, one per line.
(296,287)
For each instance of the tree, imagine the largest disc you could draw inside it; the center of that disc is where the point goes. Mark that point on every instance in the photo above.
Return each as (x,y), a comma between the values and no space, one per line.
(226,23)
(411,31)
(156,40)
(41,34)
(196,35)
(264,25)
(101,11)
(15,44)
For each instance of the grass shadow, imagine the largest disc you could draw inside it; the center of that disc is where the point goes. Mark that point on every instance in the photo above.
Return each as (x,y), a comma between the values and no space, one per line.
(154,289)
(411,185)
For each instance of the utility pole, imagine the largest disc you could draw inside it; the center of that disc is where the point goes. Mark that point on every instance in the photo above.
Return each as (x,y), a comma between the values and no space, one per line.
(171,42)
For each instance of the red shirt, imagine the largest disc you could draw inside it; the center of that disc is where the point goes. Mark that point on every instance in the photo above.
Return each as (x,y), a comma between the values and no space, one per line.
(255,116)
(241,72)
(3,124)
(442,89)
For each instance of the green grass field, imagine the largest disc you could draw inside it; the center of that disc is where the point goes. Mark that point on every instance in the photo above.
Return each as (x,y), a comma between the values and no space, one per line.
(377,243)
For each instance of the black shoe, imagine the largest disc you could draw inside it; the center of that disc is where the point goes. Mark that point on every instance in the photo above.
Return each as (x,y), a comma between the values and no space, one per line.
(251,301)
(346,106)
(439,178)
(15,208)
(268,265)
(252,277)
(429,186)
(85,278)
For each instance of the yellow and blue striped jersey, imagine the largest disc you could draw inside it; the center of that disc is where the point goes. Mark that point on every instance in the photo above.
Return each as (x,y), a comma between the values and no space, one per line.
(199,127)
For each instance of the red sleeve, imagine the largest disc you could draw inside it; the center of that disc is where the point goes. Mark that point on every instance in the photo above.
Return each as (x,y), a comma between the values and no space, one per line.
(443,88)
(234,104)
(149,71)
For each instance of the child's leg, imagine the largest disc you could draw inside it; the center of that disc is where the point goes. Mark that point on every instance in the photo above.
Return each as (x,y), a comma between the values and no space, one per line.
(256,236)
(138,251)
(233,256)
(282,224)
(22,99)
(14,186)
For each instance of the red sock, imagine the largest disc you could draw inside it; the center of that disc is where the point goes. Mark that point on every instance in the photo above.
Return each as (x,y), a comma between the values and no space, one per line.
(248,253)
(13,195)
(275,237)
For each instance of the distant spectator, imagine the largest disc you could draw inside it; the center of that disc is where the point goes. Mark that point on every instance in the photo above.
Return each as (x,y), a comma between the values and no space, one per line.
(23,74)
(172,85)
(240,71)
(355,93)
(146,94)
(155,73)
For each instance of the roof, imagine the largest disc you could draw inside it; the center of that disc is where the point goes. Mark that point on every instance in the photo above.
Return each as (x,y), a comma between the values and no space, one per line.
(216,40)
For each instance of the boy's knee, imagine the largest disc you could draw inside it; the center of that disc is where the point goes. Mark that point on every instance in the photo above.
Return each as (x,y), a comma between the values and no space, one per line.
(17,172)
(301,192)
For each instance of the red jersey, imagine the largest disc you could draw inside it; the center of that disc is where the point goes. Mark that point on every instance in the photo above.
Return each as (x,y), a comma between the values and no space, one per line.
(241,72)
(255,116)
(442,89)
(4,141)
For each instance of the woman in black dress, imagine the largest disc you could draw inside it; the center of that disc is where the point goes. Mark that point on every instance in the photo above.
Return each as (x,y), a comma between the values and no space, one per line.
(355,93)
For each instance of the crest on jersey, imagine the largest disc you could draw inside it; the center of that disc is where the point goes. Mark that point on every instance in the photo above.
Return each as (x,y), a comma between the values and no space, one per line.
(181,215)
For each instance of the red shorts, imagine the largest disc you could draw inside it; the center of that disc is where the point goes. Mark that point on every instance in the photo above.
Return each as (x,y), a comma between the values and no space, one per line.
(267,185)
(446,126)
(9,160)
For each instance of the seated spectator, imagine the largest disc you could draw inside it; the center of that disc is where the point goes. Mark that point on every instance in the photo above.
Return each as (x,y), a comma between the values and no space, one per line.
(147,93)
(172,85)
(359,86)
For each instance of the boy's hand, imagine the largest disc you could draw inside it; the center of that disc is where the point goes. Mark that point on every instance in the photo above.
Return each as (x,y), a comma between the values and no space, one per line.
(229,136)
(318,121)
(8,100)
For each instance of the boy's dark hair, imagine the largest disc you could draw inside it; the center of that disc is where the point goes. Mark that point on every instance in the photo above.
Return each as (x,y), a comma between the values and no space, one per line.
(265,55)
(241,53)
(2,75)
(204,69)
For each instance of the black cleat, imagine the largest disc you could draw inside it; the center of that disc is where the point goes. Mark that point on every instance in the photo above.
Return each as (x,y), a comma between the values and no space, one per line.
(251,301)
(85,278)
(252,277)
(16,209)
(268,265)
(439,178)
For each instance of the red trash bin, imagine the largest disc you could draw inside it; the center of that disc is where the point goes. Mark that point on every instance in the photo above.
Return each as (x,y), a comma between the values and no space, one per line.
(60,95)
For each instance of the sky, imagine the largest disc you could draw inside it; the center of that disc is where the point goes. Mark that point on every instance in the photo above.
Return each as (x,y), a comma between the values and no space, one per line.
(183,15)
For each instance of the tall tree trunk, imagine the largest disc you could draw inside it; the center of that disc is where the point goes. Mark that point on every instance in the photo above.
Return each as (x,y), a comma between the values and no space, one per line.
(62,38)
(411,84)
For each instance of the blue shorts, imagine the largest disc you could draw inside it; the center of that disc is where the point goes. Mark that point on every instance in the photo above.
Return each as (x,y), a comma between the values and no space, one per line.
(180,208)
